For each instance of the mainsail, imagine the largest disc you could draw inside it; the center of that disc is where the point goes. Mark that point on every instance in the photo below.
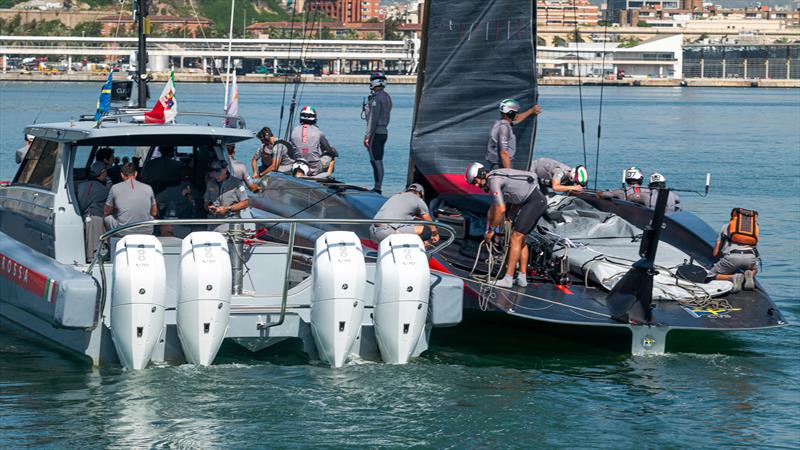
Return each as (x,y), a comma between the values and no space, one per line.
(475,53)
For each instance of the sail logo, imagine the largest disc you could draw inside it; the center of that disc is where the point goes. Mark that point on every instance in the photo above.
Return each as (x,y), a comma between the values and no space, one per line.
(711,313)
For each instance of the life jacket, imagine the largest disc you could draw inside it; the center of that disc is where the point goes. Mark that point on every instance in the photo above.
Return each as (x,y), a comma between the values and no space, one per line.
(743,227)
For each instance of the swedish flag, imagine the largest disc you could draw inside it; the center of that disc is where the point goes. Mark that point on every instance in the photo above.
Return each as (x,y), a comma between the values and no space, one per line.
(104,102)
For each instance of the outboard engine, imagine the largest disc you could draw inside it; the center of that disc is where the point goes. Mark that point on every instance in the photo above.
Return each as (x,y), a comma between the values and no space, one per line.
(204,303)
(137,299)
(339,275)
(402,288)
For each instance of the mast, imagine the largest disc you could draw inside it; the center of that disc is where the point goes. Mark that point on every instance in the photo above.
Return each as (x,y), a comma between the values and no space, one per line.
(228,69)
(143,23)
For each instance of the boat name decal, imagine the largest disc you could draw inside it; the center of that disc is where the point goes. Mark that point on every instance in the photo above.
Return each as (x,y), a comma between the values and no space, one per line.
(30,280)
(711,313)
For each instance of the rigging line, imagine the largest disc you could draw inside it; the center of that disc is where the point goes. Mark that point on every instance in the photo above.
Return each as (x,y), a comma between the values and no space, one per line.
(228,68)
(119,19)
(289,57)
(205,39)
(302,58)
(580,83)
(600,114)
(298,80)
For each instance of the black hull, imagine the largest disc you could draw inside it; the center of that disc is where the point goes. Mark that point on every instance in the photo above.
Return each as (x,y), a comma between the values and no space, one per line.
(542,300)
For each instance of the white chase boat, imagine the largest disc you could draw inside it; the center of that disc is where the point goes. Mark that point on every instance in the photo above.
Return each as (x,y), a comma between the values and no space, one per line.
(153,299)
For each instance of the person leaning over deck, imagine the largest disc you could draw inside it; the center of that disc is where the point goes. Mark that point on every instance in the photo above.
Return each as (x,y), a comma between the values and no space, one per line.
(559,177)
(407,205)
(271,156)
(225,196)
(377,112)
(92,195)
(239,169)
(309,142)
(513,187)
(130,201)
(502,142)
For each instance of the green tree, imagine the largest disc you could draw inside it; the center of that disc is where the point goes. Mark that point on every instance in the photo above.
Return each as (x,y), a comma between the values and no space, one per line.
(558,41)
(91,28)
(642,23)
(575,36)
(630,42)
(541,42)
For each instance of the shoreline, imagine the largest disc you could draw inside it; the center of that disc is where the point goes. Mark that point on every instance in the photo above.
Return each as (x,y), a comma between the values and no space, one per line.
(412,79)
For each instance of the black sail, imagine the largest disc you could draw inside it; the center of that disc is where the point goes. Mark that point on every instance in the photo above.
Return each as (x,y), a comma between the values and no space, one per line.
(475,54)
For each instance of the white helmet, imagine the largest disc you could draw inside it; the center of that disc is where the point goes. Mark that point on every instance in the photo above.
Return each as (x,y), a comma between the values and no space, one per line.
(475,171)
(300,165)
(633,175)
(377,79)
(509,106)
(308,115)
(658,180)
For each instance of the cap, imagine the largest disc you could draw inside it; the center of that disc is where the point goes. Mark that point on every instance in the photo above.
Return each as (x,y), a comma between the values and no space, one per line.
(216,166)
(416,187)
(97,168)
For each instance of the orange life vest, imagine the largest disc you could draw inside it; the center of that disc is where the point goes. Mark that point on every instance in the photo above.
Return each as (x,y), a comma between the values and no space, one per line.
(743,227)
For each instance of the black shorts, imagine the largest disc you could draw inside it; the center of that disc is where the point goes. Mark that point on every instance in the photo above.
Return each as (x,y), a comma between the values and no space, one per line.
(377,145)
(530,212)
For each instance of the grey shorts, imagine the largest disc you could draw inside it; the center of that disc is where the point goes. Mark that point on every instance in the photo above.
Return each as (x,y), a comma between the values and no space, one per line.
(377,234)
(734,262)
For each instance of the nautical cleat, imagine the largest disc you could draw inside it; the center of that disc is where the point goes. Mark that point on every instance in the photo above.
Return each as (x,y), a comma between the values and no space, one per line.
(749,280)
(737,281)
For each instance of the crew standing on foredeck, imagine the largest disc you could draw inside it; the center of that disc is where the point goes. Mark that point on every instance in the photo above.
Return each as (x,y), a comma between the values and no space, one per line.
(408,205)
(377,112)
(560,177)
(502,145)
(310,143)
(512,187)
(92,195)
(130,201)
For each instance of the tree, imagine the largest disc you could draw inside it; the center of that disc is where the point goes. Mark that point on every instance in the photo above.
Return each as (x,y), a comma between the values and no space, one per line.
(575,36)
(541,42)
(326,33)
(558,41)
(701,38)
(630,42)
(642,23)
(87,29)
(372,36)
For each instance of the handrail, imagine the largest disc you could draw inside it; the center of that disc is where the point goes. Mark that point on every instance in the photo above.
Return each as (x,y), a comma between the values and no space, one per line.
(116,116)
(98,258)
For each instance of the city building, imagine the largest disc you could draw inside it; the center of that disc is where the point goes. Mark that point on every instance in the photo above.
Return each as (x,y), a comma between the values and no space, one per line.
(566,13)
(360,30)
(346,11)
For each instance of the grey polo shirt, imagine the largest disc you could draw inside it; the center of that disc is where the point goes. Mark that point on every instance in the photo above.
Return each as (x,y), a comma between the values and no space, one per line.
(402,206)
(501,137)
(92,195)
(132,201)
(227,193)
(511,186)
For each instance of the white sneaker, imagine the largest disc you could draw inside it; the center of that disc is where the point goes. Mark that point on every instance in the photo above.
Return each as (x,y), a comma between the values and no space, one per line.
(506,282)
(522,280)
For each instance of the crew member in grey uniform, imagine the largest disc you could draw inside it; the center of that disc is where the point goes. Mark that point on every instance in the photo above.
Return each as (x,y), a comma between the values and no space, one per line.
(92,195)
(408,205)
(271,156)
(377,112)
(734,259)
(512,187)
(633,191)
(310,143)
(502,145)
(239,169)
(130,201)
(558,176)
(225,195)
(658,181)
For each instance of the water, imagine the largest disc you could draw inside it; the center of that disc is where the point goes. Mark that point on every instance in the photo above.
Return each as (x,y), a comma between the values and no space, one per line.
(488,386)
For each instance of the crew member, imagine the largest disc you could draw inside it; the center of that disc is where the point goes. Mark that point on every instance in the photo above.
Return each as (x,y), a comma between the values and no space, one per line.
(106,156)
(92,195)
(225,195)
(130,201)
(271,156)
(239,169)
(736,250)
(309,142)
(560,177)
(408,205)
(513,187)
(178,202)
(300,169)
(162,172)
(377,112)
(658,181)
(502,142)
(633,190)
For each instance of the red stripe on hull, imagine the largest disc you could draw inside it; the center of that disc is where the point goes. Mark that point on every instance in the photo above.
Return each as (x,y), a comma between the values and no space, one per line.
(28,279)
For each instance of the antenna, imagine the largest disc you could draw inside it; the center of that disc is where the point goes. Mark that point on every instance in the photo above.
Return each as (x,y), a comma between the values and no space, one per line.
(141,61)
(708,181)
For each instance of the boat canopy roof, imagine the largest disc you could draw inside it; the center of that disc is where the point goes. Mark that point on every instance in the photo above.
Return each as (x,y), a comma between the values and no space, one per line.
(138,134)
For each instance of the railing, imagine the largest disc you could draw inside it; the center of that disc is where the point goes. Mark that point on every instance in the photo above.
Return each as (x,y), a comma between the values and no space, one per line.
(240,123)
(237,222)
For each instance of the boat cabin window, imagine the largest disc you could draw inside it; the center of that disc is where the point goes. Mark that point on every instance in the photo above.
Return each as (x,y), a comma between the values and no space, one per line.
(38,167)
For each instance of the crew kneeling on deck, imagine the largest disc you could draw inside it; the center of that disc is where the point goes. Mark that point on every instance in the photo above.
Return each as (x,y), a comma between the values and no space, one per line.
(515,187)
(225,195)
(407,205)
(736,249)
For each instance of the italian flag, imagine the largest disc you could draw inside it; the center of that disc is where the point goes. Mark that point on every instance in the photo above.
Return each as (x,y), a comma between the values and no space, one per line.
(166,108)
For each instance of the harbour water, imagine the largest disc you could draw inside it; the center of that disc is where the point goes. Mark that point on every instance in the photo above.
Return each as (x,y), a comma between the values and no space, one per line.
(487,385)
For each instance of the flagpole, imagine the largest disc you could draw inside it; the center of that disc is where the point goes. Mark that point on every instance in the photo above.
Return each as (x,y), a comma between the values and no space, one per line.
(230,45)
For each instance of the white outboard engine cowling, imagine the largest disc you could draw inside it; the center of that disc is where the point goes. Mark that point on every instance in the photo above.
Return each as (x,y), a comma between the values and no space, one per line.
(204,303)
(339,275)
(137,299)
(402,288)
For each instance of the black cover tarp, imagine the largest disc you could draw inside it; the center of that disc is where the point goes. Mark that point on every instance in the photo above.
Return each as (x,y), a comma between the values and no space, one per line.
(475,53)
